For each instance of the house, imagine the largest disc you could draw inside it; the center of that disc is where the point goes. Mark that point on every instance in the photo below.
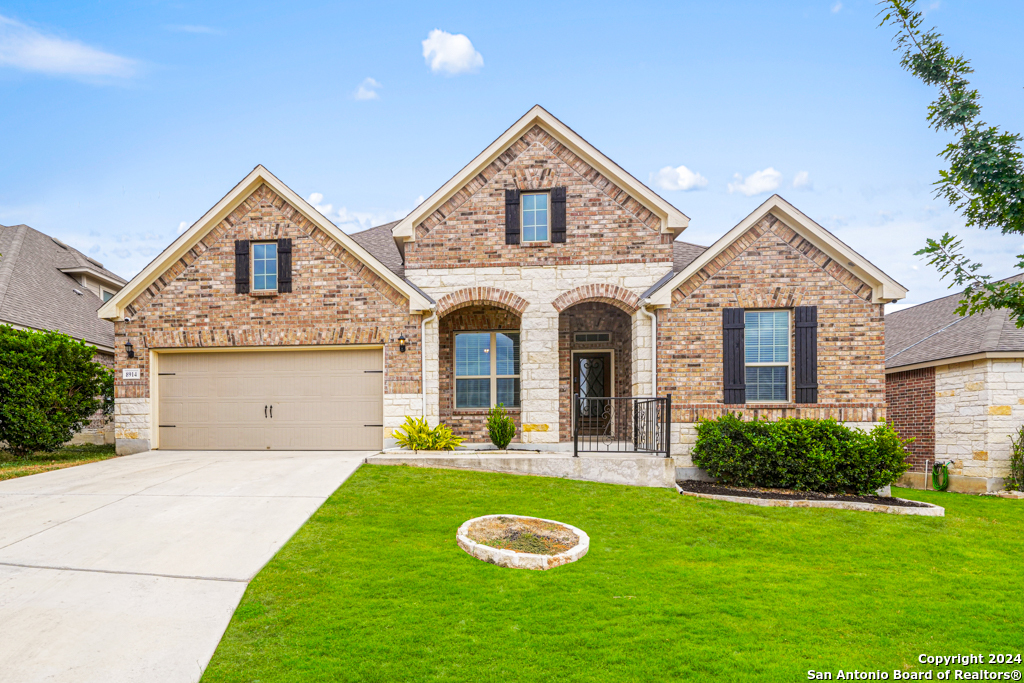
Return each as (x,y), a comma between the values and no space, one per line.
(956,385)
(540,270)
(47,285)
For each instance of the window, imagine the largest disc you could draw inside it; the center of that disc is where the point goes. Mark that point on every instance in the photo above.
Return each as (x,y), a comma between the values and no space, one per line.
(592,337)
(264,266)
(535,217)
(107,295)
(486,369)
(766,344)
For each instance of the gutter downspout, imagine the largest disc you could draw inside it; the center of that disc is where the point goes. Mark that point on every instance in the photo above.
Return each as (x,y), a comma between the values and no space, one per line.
(654,345)
(423,355)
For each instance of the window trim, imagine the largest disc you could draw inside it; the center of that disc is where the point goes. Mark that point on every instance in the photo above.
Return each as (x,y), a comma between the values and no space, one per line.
(522,217)
(789,354)
(104,291)
(576,338)
(252,267)
(493,376)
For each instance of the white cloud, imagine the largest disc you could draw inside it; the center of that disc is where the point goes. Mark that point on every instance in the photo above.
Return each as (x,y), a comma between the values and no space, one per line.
(802,181)
(25,48)
(367,90)
(355,221)
(191,28)
(450,54)
(315,200)
(182,227)
(757,182)
(837,6)
(679,178)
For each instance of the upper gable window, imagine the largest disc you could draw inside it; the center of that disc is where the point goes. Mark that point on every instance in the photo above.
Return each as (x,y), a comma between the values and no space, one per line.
(264,266)
(107,295)
(535,217)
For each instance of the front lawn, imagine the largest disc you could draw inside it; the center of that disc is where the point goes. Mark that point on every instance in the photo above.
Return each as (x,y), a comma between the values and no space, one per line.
(68,456)
(374,587)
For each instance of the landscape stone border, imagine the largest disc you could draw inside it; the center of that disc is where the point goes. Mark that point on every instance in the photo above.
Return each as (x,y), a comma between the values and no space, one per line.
(510,558)
(930,511)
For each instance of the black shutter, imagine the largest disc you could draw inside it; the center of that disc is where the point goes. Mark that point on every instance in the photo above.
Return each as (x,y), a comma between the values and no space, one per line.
(511,216)
(284,264)
(241,266)
(734,375)
(558,214)
(806,352)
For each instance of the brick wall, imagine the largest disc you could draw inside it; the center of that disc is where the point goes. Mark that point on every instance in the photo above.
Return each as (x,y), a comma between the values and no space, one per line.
(335,300)
(771,266)
(471,424)
(591,317)
(911,409)
(603,223)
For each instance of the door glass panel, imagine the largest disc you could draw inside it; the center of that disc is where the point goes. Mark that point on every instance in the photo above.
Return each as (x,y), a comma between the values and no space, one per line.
(591,372)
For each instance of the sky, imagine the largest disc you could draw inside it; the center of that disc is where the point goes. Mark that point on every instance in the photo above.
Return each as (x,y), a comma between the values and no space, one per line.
(122,123)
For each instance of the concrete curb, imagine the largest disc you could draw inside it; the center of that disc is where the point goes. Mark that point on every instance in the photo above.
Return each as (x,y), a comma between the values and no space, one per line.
(930,511)
(512,559)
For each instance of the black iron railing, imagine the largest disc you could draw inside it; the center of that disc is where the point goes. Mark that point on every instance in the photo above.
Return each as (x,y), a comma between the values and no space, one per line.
(621,424)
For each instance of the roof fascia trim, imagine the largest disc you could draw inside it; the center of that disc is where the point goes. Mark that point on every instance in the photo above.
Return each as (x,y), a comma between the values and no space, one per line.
(952,360)
(104,279)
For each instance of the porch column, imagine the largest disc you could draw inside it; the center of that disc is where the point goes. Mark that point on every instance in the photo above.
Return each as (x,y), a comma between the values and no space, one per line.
(538,372)
(431,373)
(642,355)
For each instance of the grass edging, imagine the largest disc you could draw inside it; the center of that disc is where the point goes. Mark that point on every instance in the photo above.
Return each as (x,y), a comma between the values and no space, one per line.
(931,511)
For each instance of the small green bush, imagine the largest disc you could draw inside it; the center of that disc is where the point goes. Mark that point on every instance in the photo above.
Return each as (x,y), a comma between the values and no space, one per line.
(417,435)
(50,387)
(1015,482)
(805,455)
(500,426)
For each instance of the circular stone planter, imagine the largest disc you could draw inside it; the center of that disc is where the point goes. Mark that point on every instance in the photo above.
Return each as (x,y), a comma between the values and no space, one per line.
(565,543)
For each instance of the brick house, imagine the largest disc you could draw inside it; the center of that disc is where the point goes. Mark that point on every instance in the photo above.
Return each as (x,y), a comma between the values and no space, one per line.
(956,385)
(541,270)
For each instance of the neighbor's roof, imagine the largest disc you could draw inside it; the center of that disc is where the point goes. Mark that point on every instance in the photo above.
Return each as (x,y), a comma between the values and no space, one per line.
(931,332)
(36,293)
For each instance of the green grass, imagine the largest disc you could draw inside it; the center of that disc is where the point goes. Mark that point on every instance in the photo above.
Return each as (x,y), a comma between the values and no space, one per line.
(374,587)
(69,456)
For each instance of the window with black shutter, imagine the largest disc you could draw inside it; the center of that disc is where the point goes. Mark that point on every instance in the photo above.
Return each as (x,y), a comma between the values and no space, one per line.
(511,216)
(284,264)
(241,266)
(805,320)
(558,214)
(733,376)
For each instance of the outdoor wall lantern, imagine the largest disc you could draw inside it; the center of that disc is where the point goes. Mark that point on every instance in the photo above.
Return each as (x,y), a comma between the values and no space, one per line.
(129,349)
(401,342)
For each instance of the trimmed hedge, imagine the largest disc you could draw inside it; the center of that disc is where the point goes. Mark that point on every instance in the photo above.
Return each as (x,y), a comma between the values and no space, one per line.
(805,455)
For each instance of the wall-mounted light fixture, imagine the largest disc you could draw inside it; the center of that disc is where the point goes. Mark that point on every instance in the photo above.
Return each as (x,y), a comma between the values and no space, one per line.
(129,349)
(401,342)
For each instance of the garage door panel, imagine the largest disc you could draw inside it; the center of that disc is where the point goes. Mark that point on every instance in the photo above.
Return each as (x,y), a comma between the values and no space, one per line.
(321,400)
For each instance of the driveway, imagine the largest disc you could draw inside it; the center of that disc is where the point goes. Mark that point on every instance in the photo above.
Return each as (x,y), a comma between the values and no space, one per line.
(130,569)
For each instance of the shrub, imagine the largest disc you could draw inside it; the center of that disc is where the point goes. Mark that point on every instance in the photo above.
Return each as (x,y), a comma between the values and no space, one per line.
(417,435)
(500,426)
(1015,482)
(806,455)
(50,387)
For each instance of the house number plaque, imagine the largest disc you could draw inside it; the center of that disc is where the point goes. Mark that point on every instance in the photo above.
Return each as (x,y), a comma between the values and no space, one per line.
(131,373)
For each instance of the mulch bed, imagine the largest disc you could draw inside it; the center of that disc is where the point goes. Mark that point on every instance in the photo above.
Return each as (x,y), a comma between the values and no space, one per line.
(783,494)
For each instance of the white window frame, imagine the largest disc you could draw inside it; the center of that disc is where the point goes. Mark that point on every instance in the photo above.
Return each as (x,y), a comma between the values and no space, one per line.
(789,353)
(252,265)
(547,213)
(493,376)
(104,291)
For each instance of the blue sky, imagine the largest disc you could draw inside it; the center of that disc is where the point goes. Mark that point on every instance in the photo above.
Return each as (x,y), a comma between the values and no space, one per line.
(123,120)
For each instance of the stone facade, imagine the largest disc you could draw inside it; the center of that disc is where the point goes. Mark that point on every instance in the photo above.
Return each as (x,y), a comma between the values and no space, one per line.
(335,300)
(911,409)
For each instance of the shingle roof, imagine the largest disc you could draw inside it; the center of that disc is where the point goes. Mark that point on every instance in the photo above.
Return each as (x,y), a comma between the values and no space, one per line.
(381,244)
(683,254)
(933,331)
(35,293)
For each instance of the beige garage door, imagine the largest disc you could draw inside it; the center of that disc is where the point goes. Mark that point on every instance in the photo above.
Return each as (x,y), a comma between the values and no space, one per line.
(277,400)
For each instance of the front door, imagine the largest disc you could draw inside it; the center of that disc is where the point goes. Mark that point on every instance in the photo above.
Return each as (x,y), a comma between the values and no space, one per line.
(591,378)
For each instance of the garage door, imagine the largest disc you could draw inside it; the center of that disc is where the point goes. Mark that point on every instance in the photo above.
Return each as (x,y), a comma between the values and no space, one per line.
(278,400)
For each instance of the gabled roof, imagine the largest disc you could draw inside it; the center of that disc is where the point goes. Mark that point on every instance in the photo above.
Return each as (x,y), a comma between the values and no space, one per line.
(933,334)
(885,289)
(672,219)
(379,242)
(37,290)
(114,309)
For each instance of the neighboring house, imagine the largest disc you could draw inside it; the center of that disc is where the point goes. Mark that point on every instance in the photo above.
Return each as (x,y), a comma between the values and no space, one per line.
(47,285)
(540,270)
(956,385)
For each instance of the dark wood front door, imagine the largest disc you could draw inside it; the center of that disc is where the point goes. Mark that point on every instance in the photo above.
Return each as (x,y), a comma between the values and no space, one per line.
(591,377)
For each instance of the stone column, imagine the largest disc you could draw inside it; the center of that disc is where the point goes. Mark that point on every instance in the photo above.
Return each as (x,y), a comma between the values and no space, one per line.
(431,379)
(539,374)
(642,355)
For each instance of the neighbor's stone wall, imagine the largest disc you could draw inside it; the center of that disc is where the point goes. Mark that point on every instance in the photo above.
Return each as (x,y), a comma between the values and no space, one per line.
(335,300)
(603,223)
(771,266)
(539,321)
(910,396)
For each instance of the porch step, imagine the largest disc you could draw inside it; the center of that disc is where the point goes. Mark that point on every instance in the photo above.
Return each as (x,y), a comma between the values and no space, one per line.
(642,470)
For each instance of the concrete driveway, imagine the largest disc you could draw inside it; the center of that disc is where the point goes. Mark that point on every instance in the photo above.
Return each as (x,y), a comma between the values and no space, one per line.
(130,569)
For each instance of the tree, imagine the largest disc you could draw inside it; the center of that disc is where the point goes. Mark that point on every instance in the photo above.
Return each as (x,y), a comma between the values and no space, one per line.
(50,387)
(985,178)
